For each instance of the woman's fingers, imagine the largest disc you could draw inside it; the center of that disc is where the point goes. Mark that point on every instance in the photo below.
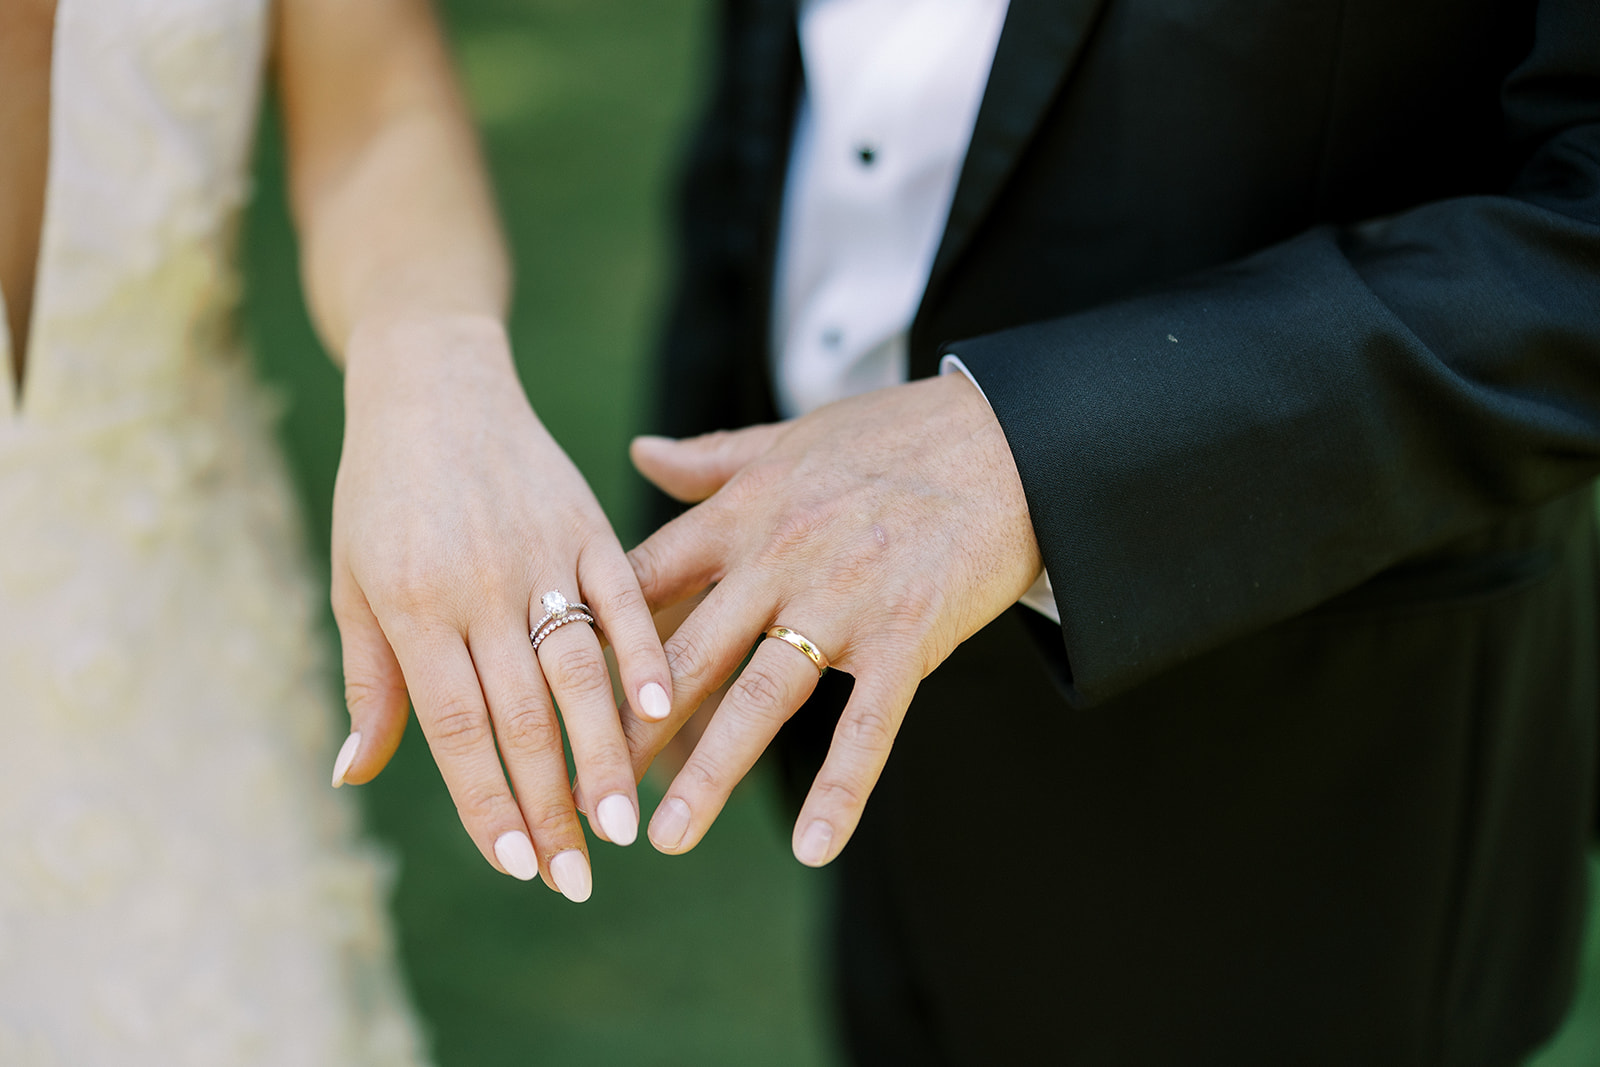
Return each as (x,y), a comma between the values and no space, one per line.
(612,591)
(860,747)
(374,689)
(576,670)
(530,746)
(454,718)
(772,686)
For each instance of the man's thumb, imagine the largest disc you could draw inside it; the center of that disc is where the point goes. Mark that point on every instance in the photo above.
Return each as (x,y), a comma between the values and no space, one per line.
(695,467)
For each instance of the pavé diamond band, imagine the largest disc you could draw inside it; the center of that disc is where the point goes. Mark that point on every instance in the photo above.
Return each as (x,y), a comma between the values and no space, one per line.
(573,615)
(558,611)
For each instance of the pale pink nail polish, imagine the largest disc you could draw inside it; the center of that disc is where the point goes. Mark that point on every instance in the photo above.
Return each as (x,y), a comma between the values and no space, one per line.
(570,872)
(347,756)
(654,702)
(515,853)
(616,817)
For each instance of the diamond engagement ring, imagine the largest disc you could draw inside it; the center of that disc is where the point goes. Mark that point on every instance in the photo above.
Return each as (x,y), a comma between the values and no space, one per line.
(558,612)
(813,653)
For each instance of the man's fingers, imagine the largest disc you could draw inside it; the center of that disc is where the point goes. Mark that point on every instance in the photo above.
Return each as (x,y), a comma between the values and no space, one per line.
(703,652)
(450,708)
(712,642)
(775,682)
(374,689)
(683,557)
(611,590)
(860,747)
(530,744)
(693,468)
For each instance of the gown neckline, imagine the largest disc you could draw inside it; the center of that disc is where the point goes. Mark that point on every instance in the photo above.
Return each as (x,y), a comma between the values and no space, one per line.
(15,393)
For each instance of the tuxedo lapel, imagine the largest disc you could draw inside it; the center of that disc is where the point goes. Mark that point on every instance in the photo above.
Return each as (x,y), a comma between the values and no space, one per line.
(1039,44)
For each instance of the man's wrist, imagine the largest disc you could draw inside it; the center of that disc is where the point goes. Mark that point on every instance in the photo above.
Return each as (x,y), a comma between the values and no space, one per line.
(1040,596)
(950,363)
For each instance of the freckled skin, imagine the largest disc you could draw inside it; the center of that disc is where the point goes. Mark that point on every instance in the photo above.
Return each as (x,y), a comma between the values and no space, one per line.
(26,32)
(778,535)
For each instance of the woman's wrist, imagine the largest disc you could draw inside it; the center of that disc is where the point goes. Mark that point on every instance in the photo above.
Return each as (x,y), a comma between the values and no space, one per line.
(390,357)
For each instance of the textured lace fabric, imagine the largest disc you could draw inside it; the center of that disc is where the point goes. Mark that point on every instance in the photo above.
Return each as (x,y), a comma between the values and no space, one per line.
(178,885)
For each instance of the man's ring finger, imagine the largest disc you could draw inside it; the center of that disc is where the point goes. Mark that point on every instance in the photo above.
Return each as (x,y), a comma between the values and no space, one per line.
(804,644)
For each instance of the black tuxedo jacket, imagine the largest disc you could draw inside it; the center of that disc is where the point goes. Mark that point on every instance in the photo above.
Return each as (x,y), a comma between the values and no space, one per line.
(1291,315)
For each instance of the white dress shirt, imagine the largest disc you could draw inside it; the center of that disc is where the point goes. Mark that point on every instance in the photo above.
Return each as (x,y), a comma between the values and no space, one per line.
(892,89)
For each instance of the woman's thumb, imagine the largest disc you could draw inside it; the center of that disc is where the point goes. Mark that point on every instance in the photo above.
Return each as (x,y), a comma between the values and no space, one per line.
(374,688)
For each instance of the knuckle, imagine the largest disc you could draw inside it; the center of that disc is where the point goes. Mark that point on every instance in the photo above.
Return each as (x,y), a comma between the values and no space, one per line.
(577,672)
(608,760)
(703,774)
(687,657)
(719,444)
(407,587)
(361,695)
(481,802)
(529,728)
(799,527)
(758,689)
(620,601)
(565,659)
(838,794)
(456,727)
(552,820)
(638,733)
(869,729)
(756,479)
(746,721)
(914,606)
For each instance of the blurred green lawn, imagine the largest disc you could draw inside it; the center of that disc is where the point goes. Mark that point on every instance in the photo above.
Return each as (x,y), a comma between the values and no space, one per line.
(706,959)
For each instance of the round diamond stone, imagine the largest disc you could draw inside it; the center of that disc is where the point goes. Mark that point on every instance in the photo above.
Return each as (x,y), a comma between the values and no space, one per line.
(554,602)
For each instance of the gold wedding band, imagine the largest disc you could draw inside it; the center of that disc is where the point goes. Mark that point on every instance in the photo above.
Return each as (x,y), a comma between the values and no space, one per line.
(813,653)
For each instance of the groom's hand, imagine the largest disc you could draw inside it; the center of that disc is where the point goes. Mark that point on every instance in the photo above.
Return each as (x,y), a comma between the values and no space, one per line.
(886,529)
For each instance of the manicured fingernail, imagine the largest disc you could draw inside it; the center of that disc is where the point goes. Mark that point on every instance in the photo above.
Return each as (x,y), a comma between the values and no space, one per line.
(650,440)
(813,847)
(669,824)
(515,853)
(347,756)
(570,871)
(654,702)
(617,819)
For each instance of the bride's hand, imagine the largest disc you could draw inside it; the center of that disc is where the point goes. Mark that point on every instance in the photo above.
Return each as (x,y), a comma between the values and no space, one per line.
(454,511)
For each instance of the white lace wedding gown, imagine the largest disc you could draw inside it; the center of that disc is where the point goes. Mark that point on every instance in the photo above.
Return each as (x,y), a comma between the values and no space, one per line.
(178,884)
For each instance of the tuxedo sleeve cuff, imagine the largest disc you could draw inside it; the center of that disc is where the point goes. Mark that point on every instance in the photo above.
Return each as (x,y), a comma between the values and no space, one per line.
(1040,596)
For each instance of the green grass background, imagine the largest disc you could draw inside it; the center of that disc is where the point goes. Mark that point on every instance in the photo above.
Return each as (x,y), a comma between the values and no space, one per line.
(706,959)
